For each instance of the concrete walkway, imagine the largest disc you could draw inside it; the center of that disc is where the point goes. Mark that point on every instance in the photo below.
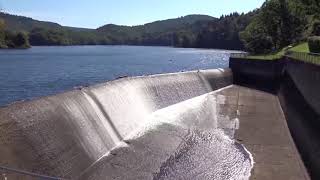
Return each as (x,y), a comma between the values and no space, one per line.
(264,132)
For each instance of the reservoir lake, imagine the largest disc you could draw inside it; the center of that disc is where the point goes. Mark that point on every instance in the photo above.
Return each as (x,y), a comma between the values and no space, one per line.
(42,71)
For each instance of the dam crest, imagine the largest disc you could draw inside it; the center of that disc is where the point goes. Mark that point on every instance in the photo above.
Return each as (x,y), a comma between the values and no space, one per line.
(149,127)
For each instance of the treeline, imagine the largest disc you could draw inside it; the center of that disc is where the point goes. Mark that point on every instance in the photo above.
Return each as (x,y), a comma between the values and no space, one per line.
(61,36)
(10,39)
(189,31)
(277,24)
(222,33)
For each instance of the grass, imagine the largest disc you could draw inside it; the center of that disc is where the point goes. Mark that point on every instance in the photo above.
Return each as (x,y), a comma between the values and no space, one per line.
(298,52)
(301,53)
(264,57)
(272,56)
(303,47)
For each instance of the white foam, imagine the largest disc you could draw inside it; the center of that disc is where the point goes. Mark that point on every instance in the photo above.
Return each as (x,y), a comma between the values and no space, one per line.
(182,141)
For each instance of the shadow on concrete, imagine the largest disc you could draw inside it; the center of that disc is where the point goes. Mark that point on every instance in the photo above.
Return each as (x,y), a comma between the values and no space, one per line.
(297,86)
(262,75)
(304,124)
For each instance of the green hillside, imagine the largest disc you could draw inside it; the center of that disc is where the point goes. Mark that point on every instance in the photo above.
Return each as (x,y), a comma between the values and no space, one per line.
(158,26)
(10,39)
(19,23)
(183,32)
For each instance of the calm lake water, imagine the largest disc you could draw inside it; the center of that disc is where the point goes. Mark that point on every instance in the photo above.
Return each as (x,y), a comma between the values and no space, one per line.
(41,71)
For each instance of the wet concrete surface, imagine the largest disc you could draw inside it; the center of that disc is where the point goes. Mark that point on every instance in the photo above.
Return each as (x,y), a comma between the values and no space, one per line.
(263,131)
(189,140)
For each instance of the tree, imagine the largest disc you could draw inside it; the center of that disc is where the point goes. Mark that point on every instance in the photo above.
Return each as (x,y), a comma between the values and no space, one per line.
(9,39)
(21,40)
(316,28)
(314,44)
(41,36)
(256,40)
(291,25)
(278,23)
(224,33)
(2,34)
(186,42)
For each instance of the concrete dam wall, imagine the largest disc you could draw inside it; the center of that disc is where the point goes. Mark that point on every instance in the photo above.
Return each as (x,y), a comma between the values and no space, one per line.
(72,135)
(300,100)
(297,84)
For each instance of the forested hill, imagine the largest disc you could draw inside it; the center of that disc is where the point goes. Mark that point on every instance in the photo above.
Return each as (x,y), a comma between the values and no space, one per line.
(164,25)
(19,23)
(182,32)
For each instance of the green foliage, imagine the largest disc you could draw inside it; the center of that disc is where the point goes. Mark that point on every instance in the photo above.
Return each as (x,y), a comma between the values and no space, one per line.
(188,31)
(224,32)
(177,32)
(314,44)
(280,22)
(20,23)
(16,40)
(41,36)
(183,39)
(2,34)
(275,25)
(316,28)
(302,47)
(9,39)
(256,39)
(21,40)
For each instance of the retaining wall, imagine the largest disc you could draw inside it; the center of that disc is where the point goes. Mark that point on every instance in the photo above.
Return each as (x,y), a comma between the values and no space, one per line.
(300,98)
(259,74)
(297,85)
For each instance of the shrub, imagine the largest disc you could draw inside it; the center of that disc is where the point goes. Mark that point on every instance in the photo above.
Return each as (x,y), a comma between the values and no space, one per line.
(316,28)
(21,40)
(2,35)
(314,44)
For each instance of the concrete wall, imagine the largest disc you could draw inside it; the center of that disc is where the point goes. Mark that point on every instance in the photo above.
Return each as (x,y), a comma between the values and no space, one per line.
(260,74)
(306,77)
(300,98)
(298,86)
(63,135)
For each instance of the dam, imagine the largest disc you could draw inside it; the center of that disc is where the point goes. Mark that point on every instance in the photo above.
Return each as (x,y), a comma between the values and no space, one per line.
(206,124)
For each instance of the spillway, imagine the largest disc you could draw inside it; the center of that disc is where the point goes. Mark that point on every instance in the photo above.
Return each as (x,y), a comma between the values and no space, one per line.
(167,126)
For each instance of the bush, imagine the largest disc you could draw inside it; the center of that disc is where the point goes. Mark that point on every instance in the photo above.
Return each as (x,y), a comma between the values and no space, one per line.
(314,44)
(2,35)
(256,40)
(17,40)
(316,28)
(21,40)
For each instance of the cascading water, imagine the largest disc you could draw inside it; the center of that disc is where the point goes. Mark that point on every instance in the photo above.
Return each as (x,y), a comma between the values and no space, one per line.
(72,134)
(183,141)
(127,102)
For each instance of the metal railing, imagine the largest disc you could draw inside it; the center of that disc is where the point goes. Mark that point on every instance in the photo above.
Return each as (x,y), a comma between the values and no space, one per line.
(239,55)
(313,58)
(260,57)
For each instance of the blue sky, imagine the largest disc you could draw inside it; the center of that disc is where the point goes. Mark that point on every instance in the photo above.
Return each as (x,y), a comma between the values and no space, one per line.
(95,13)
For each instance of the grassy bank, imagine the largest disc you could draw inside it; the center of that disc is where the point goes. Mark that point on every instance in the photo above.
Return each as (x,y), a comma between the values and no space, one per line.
(299,52)
(272,56)
(303,47)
